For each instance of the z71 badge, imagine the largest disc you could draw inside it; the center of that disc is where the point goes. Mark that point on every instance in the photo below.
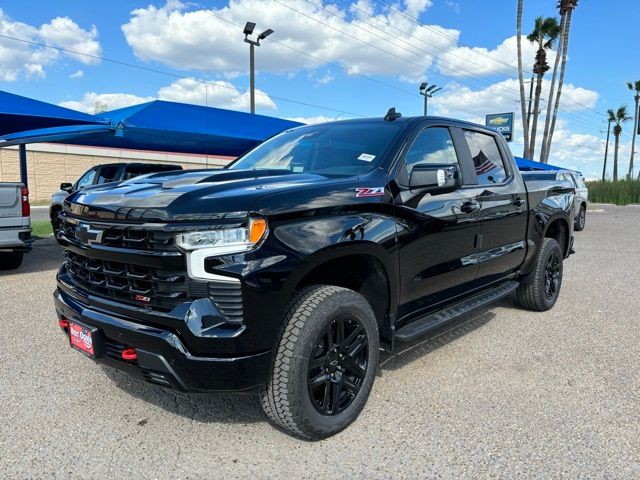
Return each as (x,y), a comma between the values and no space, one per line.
(362,192)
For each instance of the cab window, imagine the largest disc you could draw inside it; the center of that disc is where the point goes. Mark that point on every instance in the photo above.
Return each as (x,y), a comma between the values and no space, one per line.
(108,174)
(487,159)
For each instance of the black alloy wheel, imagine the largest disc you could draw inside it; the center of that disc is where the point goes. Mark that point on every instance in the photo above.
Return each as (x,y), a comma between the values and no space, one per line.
(338,365)
(552,275)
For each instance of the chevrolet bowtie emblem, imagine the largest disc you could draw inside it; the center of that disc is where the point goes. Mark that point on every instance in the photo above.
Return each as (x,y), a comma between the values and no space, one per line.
(87,236)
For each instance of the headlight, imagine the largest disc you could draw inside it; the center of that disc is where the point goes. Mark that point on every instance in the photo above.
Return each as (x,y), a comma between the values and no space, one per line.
(224,240)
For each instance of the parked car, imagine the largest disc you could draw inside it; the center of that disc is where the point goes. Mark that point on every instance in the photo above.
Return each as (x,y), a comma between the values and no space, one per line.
(15,224)
(284,272)
(573,178)
(100,174)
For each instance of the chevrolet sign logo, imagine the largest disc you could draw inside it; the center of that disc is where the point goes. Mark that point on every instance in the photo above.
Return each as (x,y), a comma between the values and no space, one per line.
(87,235)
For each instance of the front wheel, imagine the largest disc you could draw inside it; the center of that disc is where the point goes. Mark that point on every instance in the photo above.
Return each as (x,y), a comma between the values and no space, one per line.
(541,291)
(325,363)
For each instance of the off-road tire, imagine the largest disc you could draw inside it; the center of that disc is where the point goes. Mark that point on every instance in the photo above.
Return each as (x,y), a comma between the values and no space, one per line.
(581,219)
(531,294)
(10,260)
(285,397)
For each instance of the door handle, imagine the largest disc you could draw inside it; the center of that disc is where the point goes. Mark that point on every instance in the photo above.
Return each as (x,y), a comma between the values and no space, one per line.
(518,202)
(470,206)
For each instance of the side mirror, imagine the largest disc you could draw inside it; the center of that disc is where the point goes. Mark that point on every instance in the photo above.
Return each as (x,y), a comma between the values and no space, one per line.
(66,186)
(435,178)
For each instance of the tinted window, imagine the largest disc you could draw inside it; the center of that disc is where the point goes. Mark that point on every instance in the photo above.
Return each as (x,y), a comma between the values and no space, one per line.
(432,146)
(86,179)
(107,174)
(486,158)
(136,170)
(340,149)
(570,179)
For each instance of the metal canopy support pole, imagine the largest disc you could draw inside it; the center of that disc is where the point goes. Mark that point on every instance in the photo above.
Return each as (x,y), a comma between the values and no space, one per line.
(22,149)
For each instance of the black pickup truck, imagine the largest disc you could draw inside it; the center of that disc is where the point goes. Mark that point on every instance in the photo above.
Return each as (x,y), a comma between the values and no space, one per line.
(285,273)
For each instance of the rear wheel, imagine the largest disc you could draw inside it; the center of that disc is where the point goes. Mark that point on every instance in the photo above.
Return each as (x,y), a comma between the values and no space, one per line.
(325,363)
(543,288)
(10,260)
(581,220)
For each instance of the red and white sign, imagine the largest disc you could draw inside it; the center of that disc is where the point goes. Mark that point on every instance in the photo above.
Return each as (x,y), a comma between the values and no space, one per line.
(80,338)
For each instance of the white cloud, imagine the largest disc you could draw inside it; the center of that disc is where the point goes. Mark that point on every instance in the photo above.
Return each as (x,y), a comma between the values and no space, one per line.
(77,74)
(92,102)
(19,59)
(503,59)
(461,101)
(314,120)
(214,94)
(325,79)
(197,40)
(65,33)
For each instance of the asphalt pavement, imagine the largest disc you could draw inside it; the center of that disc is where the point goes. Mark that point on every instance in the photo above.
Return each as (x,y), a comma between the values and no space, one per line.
(501,393)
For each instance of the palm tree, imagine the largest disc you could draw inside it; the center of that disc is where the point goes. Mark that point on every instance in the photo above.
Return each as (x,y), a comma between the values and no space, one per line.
(617,117)
(566,8)
(545,33)
(523,109)
(635,86)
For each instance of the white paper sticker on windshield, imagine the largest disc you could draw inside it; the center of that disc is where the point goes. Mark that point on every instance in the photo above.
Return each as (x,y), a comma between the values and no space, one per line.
(367,157)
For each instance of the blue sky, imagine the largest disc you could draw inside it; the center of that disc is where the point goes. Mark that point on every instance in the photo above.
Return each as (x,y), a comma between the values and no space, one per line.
(401,44)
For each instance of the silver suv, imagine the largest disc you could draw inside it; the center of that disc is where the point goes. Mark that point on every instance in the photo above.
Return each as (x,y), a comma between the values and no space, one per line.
(575,180)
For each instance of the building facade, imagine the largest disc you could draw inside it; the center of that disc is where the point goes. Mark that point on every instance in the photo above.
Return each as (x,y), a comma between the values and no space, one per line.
(49,165)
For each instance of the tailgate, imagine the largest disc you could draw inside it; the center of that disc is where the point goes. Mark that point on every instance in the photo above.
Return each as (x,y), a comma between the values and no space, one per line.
(10,205)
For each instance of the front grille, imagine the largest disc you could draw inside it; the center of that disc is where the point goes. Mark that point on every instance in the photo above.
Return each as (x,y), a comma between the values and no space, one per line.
(228,299)
(127,237)
(154,288)
(161,289)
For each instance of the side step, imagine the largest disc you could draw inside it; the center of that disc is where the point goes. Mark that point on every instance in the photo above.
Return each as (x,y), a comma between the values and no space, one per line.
(433,320)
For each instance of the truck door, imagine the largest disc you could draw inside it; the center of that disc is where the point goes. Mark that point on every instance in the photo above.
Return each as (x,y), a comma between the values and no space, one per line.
(503,207)
(437,244)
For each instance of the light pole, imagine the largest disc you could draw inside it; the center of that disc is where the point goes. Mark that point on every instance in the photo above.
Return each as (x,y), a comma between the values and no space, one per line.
(248,30)
(606,152)
(427,92)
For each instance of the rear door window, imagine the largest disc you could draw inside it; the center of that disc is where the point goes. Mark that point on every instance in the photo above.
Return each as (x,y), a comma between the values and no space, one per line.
(487,159)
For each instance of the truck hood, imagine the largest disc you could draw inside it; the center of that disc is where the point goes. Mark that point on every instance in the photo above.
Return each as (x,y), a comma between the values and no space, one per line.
(191,195)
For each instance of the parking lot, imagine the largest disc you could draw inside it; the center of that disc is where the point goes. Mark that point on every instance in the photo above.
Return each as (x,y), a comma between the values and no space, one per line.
(501,393)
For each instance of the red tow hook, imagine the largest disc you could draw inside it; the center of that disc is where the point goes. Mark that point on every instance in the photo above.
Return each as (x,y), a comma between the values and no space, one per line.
(129,354)
(63,323)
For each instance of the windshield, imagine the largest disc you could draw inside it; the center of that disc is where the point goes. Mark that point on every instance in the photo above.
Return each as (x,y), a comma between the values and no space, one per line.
(331,149)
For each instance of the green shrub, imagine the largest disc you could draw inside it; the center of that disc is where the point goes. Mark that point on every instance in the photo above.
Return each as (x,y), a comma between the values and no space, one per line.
(622,192)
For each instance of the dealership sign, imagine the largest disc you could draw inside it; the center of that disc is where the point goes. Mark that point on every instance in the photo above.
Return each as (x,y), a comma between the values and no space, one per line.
(503,122)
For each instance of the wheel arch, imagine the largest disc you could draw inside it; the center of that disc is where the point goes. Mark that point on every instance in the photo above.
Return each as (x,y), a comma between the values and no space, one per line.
(365,267)
(558,229)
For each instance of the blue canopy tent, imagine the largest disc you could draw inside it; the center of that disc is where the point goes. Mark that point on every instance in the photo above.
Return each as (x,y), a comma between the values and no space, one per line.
(157,125)
(19,113)
(527,165)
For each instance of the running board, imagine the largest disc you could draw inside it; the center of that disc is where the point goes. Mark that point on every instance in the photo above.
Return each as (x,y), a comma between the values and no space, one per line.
(433,320)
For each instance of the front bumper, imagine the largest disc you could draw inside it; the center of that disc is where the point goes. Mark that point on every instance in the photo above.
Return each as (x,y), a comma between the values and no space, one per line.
(162,357)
